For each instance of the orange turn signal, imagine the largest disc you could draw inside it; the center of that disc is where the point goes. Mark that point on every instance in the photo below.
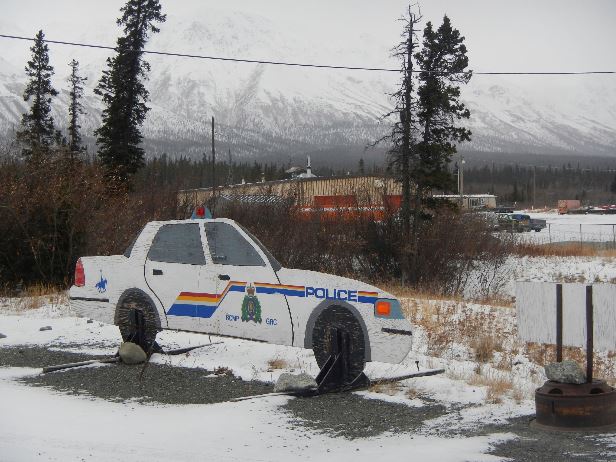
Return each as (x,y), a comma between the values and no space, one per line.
(383,308)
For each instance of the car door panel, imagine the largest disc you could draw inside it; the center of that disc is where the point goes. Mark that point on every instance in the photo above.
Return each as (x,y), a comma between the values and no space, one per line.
(250,304)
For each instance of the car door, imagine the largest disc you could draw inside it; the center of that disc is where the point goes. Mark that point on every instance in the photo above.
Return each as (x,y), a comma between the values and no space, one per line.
(176,271)
(252,303)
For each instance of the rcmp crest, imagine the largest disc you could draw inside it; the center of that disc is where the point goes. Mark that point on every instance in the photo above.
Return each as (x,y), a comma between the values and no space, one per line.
(251,308)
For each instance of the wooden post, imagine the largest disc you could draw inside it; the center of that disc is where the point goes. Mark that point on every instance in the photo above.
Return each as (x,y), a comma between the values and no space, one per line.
(559,322)
(580,235)
(589,334)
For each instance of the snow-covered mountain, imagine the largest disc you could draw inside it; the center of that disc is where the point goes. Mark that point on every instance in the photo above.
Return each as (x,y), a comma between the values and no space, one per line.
(283,112)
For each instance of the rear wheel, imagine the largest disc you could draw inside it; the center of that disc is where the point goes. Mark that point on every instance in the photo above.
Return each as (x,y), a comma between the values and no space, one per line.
(137,321)
(336,328)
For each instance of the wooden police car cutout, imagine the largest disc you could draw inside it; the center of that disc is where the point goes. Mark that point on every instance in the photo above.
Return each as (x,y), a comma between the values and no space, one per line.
(213,276)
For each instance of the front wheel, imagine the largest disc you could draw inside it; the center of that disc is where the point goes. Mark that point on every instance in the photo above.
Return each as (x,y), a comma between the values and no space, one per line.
(332,325)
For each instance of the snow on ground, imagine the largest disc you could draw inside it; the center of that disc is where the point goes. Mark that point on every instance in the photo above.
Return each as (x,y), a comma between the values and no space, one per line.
(46,425)
(556,269)
(49,425)
(576,228)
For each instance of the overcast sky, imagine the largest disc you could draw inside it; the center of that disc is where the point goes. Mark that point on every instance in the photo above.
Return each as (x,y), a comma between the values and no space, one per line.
(501,35)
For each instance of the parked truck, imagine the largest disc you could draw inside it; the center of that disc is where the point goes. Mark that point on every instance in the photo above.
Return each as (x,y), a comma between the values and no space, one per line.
(566,205)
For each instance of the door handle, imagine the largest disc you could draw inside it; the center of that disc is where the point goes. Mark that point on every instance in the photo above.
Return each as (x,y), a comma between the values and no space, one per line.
(157,272)
(223,277)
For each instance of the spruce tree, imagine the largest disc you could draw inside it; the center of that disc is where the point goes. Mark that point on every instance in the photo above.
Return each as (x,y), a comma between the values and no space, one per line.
(75,108)
(37,132)
(443,64)
(124,94)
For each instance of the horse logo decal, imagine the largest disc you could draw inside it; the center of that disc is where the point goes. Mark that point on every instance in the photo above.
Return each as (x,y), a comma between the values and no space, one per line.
(101,285)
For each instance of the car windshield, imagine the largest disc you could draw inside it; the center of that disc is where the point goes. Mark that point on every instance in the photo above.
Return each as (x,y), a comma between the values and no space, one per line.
(273,262)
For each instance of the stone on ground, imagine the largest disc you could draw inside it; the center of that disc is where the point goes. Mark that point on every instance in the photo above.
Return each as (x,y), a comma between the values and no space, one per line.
(131,353)
(292,382)
(565,372)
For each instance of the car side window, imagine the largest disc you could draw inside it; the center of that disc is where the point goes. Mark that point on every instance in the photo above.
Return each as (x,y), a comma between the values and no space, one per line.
(178,243)
(229,247)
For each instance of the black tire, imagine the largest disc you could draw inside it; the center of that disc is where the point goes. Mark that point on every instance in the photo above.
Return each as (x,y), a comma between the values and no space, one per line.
(136,318)
(340,319)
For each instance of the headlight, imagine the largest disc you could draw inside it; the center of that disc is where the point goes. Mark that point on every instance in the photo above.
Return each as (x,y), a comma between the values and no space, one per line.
(388,308)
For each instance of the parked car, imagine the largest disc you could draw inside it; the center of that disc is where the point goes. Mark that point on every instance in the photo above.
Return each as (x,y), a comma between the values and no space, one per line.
(537,224)
(213,276)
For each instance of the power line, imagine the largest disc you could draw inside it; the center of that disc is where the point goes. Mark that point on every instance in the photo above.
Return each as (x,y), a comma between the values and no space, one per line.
(292,64)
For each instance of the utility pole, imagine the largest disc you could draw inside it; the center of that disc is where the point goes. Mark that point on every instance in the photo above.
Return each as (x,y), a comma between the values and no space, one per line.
(492,178)
(213,168)
(230,177)
(534,185)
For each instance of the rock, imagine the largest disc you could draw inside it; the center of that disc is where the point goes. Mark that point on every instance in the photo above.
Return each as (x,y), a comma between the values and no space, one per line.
(131,353)
(565,372)
(45,328)
(2,335)
(294,382)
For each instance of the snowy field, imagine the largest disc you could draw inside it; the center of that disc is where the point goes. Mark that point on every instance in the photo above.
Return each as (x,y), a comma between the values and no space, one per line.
(564,228)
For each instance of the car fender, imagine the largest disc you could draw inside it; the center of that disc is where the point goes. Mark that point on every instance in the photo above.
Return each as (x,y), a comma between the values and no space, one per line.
(326,304)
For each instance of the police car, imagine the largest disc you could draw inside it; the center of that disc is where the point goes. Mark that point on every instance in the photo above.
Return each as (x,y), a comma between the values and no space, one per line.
(213,276)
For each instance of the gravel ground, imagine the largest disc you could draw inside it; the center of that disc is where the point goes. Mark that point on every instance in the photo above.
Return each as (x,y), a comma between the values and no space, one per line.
(119,382)
(346,415)
(536,445)
(352,416)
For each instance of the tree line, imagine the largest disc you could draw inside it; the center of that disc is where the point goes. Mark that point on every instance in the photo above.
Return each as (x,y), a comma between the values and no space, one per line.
(542,185)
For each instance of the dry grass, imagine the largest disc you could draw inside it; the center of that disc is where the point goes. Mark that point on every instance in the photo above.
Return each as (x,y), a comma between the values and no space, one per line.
(411,393)
(502,301)
(401,291)
(518,394)
(573,249)
(277,363)
(498,386)
(408,292)
(390,389)
(484,347)
(450,322)
(39,295)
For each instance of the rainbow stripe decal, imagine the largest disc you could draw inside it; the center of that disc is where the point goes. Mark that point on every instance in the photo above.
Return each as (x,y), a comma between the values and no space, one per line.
(367,297)
(202,305)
